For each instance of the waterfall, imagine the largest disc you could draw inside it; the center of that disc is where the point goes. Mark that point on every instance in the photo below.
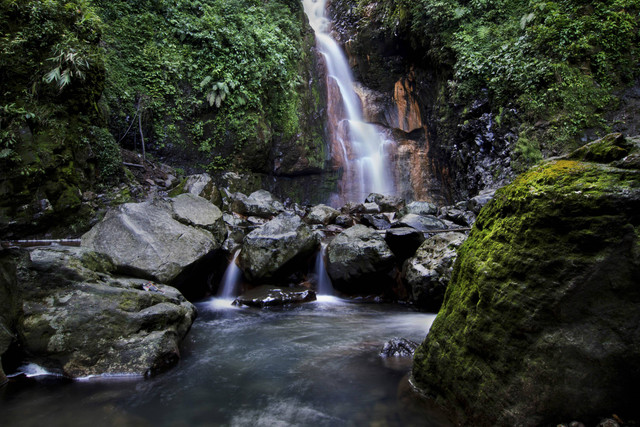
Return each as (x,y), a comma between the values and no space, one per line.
(231,279)
(323,285)
(356,145)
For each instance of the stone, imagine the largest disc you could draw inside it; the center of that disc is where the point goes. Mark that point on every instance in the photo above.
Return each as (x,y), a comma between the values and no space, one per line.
(478,202)
(403,241)
(370,208)
(359,260)
(428,272)
(260,203)
(197,212)
(322,214)
(460,217)
(202,185)
(345,221)
(386,203)
(144,240)
(275,247)
(398,347)
(78,320)
(424,223)
(420,208)
(269,296)
(540,318)
(378,221)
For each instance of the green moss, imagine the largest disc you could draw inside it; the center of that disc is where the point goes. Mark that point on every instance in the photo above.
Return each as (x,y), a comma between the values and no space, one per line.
(534,261)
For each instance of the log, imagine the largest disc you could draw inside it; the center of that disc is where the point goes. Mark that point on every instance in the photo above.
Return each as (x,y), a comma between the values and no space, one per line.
(45,242)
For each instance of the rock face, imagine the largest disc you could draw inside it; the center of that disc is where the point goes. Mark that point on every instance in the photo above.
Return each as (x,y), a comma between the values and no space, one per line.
(358,260)
(152,239)
(540,319)
(268,296)
(272,248)
(428,272)
(79,321)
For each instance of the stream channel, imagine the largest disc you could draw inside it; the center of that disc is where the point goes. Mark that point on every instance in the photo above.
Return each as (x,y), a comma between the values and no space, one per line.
(316,364)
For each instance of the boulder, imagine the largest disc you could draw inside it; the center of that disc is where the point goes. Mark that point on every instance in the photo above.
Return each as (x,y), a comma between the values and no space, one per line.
(345,221)
(268,296)
(359,260)
(322,214)
(422,223)
(478,202)
(202,185)
(428,272)
(420,208)
(145,240)
(386,203)
(270,250)
(540,318)
(378,221)
(78,320)
(403,241)
(260,203)
(195,211)
(458,216)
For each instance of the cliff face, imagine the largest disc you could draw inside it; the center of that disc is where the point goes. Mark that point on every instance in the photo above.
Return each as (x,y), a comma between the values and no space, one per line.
(539,322)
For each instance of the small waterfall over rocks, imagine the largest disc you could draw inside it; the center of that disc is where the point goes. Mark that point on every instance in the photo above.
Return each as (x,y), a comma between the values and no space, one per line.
(231,279)
(356,145)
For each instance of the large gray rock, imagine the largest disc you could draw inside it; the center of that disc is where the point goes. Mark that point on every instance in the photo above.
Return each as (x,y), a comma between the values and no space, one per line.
(403,241)
(202,185)
(420,208)
(9,303)
(272,248)
(195,211)
(268,296)
(428,272)
(145,240)
(358,260)
(386,203)
(260,203)
(322,214)
(78,320)
(423,223)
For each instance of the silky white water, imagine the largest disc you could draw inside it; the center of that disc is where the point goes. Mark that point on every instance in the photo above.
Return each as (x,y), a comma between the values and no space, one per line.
(362,150)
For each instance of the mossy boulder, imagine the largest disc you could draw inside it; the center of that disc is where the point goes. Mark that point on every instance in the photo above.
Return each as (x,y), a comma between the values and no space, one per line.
(540,319)
(78,320)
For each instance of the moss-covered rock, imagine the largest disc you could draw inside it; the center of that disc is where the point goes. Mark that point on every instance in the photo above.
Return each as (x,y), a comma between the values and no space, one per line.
(540,318)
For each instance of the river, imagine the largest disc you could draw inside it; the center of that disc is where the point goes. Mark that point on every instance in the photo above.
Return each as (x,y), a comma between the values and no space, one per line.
(312,365)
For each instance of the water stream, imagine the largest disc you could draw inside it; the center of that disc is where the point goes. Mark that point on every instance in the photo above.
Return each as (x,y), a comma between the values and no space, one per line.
(357,146)
(313,365)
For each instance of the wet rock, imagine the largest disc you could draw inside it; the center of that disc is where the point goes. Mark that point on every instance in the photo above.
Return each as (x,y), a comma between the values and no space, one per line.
(379,221)
(399,347)
(269,296)
(358,261)
(345,221)
(543,301)
(404,241)
(322,214)
(145,240)
(428,272)
(607,422)
(78,320)
(423,223)
(420,208)
(458,216)
(370,208)
(386,203)
(273,248)
(260,203)
(478,202)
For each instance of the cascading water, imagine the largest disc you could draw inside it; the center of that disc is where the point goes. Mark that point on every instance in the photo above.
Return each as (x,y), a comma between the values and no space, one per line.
(230,279)
(324,286)
(356,145)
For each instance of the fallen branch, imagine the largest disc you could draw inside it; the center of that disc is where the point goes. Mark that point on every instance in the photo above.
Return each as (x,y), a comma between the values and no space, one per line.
(133,165)
(31,243)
